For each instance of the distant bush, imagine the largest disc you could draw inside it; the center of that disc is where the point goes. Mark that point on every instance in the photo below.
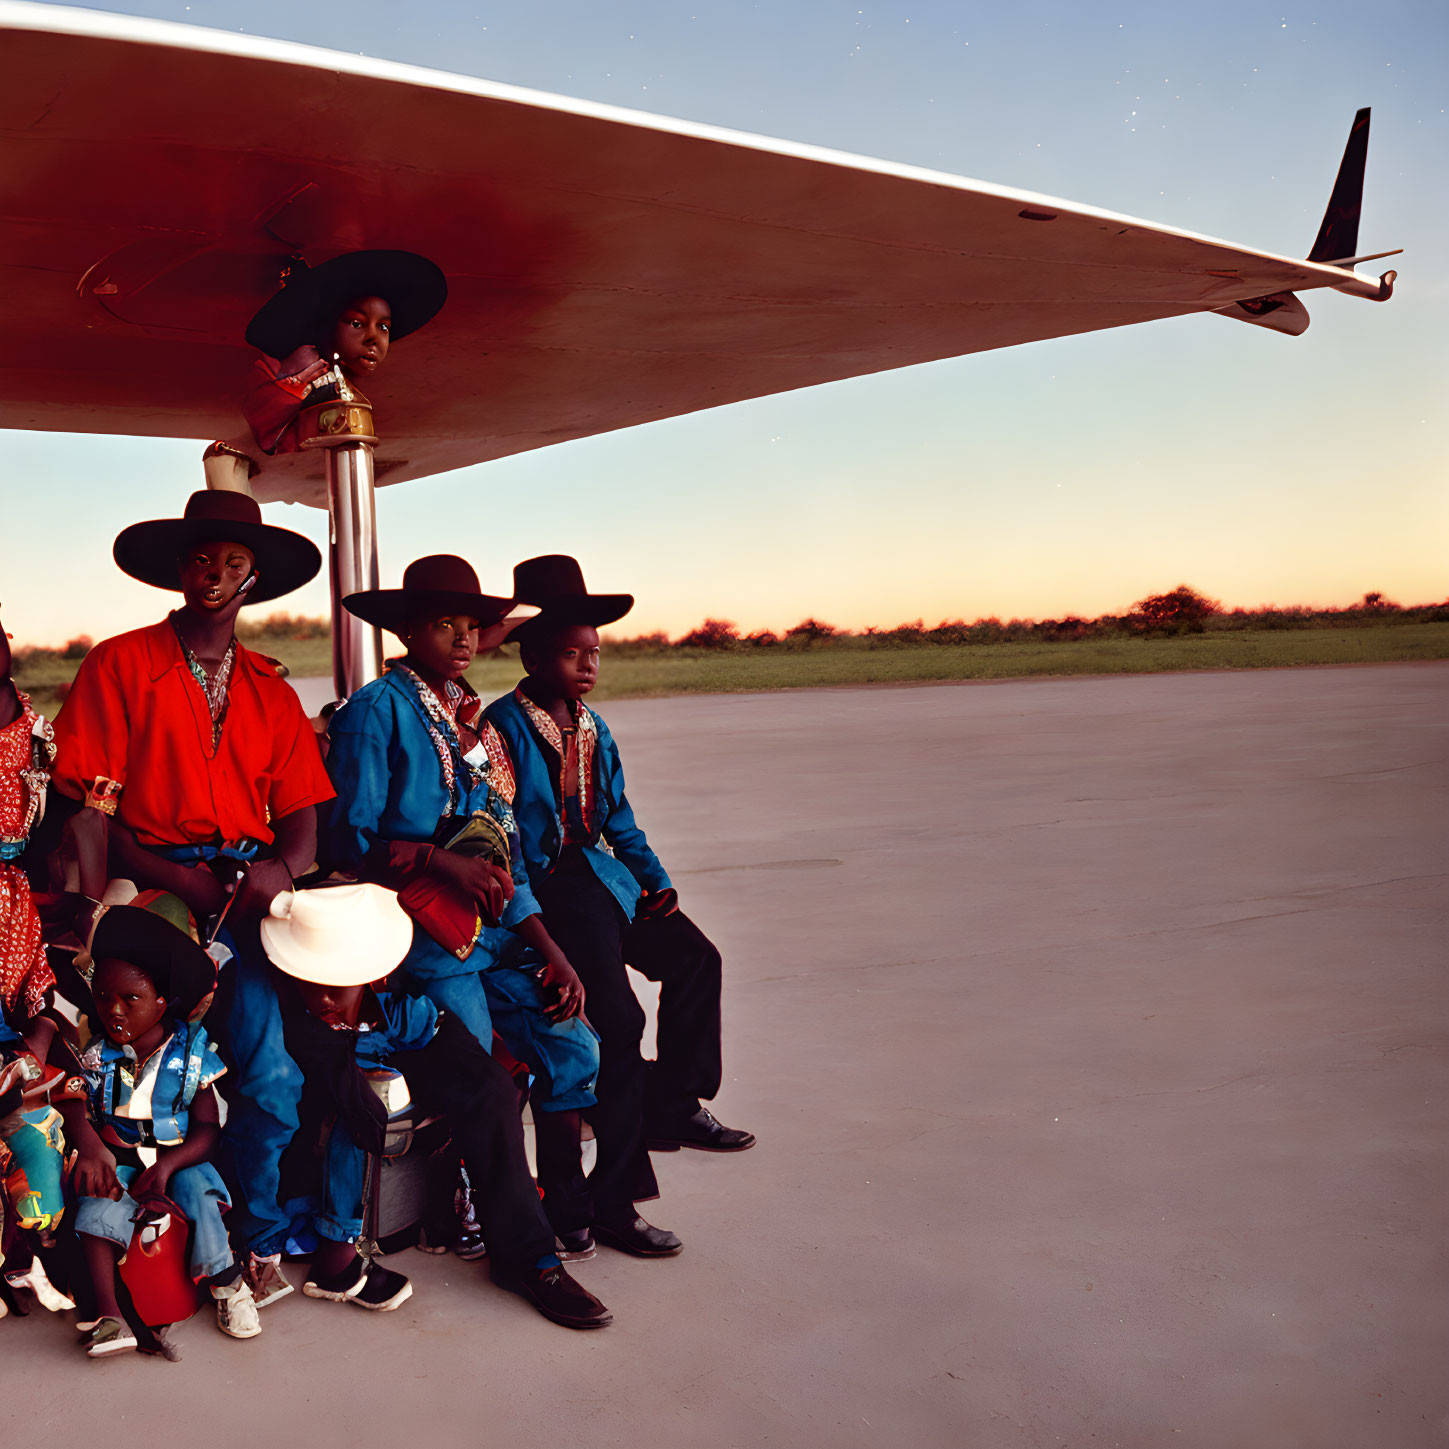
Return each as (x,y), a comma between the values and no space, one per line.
(1072,628)
(1182,611)
(808,632)
(984,631)
(913,633)
(282,626)
(78,647)
(712,634)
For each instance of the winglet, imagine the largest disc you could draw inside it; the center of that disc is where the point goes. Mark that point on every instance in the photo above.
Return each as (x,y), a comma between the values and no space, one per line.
(1338,236)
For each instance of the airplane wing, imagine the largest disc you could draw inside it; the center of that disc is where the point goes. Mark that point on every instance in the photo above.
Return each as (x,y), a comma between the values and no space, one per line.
(606,268)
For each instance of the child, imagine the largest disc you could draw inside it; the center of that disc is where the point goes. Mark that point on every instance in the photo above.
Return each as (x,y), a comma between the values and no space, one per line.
(149,1077)
(347,311)
(332,941)
(423,791)
(198,768)
(31,1145)
(26,980)
(606,900)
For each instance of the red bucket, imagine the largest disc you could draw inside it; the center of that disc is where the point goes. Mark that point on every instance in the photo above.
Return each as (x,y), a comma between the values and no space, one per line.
(155,1270)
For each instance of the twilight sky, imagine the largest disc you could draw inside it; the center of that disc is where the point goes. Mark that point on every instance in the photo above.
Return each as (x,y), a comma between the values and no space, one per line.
(1065,476)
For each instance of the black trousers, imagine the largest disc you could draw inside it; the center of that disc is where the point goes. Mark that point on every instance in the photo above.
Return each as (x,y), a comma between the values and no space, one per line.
(591,929)
(453,1075)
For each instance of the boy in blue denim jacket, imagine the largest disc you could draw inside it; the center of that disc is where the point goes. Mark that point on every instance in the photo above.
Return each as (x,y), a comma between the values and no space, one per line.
(415,767)
(606,900)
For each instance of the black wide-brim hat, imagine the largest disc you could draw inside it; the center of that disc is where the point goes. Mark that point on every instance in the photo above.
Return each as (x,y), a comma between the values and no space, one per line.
(555,582)
(307,306)
(441,583)
(285,560)
(179,968)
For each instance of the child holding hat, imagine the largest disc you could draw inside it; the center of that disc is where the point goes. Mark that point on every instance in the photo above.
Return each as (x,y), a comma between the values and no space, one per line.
(332,942)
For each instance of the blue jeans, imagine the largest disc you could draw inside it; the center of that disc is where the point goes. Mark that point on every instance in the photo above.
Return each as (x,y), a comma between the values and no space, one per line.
(565,1053)
(197,1190)
(262,1093)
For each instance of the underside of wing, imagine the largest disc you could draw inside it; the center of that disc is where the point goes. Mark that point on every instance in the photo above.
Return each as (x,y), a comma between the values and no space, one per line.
(605,269)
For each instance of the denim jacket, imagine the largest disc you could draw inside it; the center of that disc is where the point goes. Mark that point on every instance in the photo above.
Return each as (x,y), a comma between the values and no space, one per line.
(183,1064)
(619,853)
(390,786)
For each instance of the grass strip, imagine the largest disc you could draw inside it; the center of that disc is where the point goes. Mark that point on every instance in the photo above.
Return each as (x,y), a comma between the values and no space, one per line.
(853,661)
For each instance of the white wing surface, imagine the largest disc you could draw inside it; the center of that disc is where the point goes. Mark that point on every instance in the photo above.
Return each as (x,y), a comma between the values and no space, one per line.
(606,268)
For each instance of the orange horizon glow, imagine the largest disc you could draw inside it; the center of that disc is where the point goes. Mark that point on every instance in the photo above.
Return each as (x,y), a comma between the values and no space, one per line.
(746,624)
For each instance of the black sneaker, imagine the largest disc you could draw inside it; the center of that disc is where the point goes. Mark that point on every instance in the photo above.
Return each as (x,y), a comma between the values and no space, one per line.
(382,1290)
(470,1245)
(700,1130)
(337,1287)
(638,1238)
(368,1285)
(557,1296)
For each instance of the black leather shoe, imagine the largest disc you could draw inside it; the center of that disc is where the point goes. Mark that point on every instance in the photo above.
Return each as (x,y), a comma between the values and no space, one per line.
(556,1296)
(700,1130)
(639,1238)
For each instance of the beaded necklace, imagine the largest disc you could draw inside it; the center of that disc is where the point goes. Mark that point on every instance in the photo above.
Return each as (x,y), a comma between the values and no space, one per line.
(213,687)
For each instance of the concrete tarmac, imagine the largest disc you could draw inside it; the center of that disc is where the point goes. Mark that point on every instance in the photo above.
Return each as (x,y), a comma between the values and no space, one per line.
(1093,1030)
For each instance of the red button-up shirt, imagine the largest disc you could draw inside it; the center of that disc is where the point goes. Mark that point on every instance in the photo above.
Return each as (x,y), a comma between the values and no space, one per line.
(135,715)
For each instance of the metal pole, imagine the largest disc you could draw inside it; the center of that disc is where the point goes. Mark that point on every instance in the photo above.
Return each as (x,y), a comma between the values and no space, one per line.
(352,564)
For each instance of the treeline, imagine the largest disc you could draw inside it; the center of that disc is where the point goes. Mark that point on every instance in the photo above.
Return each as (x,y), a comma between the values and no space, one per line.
(274,629)
(1180,611)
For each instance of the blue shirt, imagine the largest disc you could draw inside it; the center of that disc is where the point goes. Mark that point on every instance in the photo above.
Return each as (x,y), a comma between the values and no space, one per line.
(390,785)
(407,1024)
(619,853)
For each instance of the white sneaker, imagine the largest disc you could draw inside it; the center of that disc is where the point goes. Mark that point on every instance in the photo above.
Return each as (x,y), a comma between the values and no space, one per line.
(109,1336)
(236,1310)
(46,1293)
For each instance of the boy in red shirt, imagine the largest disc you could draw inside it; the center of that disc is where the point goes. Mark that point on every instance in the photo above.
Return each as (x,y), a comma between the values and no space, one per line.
(200,775)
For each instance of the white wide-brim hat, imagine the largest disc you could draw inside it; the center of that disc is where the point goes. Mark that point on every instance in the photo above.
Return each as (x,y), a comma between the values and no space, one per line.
(341,935)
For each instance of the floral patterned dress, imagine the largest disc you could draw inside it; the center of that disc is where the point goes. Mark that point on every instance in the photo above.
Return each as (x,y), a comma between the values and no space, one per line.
(25,755)
(30,1141)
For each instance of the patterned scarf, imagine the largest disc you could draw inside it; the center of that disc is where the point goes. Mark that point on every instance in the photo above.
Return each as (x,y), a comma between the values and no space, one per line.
(441,722)
(586,732)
